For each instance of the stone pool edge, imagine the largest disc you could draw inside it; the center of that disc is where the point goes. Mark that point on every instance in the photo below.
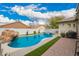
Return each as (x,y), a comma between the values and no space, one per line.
(22,51)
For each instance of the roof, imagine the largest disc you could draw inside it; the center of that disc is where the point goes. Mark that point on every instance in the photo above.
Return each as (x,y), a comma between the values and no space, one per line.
(38,26)
(15,25)
(77,7)
(71,19)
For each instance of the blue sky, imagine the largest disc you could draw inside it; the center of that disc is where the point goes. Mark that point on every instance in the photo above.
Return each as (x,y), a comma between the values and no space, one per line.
(50,6)
(6,9)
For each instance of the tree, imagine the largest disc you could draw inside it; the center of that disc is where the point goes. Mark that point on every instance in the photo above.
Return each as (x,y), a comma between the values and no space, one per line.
(53,22)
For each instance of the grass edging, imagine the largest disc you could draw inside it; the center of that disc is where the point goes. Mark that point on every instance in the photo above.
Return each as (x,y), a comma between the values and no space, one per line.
(40,50)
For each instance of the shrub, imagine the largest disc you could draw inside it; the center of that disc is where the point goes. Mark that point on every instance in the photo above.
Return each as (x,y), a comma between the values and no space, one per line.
(34,32)
(63,34)
(71,34)
(38,32)
(27,33)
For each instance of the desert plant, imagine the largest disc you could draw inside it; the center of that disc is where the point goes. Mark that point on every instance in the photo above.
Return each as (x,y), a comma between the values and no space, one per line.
(53,22)
(63,34)
(71,34)
(38,31)
(27,33)
(34,32)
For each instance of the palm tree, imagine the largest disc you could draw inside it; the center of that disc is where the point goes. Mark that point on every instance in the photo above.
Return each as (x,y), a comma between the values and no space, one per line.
(53,22)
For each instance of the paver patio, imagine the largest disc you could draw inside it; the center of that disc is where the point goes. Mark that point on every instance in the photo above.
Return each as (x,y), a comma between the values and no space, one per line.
(64,47)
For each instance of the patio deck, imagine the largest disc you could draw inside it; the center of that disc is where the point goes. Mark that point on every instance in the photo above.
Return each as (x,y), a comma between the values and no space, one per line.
(64,47)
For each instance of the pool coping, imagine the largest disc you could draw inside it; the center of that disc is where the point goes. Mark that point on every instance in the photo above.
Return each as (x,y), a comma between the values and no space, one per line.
(22,51)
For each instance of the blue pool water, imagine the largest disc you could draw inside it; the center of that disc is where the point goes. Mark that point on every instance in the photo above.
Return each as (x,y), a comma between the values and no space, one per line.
(26,41)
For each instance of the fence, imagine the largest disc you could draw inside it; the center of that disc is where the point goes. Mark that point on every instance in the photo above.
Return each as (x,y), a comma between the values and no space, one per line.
(21,31)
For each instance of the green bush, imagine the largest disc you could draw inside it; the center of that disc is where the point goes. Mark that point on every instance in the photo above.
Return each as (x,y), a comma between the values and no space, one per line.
(34,32)
(27,33)
(38,32)
(63,34)
(71,34)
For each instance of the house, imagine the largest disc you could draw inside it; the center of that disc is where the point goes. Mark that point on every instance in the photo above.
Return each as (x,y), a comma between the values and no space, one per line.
(41,28)
(17,24)
(68,24)
(38,28)
(77,19)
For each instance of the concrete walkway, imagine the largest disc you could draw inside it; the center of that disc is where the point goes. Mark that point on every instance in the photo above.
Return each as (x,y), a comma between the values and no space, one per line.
(64,47)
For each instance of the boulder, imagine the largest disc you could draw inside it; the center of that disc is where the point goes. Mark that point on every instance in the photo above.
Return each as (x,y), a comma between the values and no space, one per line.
(7,35)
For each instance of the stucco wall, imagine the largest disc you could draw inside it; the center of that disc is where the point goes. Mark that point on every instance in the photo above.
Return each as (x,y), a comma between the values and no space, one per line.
(64,27)
(78,28)
(51,31)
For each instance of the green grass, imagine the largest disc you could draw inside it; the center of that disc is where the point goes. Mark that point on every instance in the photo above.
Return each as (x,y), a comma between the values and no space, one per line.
(40,50)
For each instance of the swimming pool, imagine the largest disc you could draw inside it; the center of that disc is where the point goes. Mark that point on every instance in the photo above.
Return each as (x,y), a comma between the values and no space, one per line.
(26,41)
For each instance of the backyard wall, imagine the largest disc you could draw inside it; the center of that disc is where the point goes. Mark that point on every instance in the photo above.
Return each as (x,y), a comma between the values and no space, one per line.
(51,31)
(30,31)
(21,31)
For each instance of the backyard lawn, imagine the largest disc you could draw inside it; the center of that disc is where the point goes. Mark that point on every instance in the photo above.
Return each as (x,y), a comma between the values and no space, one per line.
(40,50)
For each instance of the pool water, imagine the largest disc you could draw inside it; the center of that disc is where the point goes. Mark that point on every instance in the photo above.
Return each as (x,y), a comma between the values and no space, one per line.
(26,41)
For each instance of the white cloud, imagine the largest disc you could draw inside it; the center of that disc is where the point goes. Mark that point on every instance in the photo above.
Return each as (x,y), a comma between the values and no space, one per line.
(7,20)
(42,16)
(2,10)
(31,13)
(8,7)
(65,13)
(33,6)
(69,13)
(41,22)
(43,8)
(27,22)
